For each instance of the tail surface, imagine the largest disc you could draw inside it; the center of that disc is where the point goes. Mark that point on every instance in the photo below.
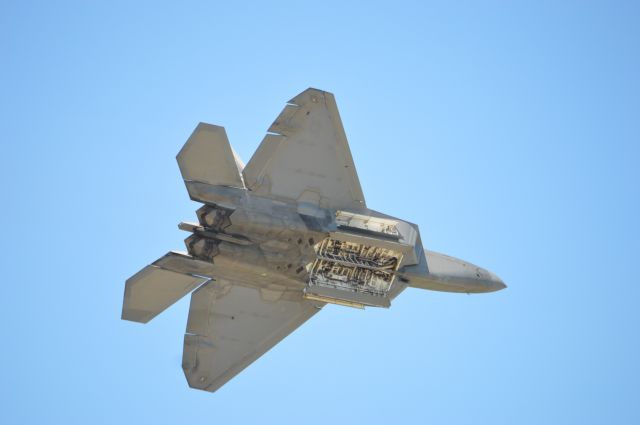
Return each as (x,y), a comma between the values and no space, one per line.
(208,158)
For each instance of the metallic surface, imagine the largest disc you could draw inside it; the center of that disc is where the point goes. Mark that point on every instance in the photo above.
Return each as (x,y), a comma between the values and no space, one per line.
(278,239)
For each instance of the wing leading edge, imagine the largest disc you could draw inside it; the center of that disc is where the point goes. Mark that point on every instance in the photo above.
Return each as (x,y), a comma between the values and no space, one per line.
(306,156)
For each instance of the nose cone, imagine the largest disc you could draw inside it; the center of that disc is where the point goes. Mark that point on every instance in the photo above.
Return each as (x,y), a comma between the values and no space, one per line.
(480,280)
(451,274)
(493,282)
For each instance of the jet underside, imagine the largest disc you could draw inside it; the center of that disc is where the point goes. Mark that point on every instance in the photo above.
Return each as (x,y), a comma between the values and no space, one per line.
(278,239)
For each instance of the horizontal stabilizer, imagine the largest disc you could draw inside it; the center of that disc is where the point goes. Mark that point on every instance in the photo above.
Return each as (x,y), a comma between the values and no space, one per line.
(207,157)
(157,286)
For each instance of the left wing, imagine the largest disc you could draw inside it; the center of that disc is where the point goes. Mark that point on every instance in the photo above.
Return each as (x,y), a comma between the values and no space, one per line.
(306,157)
(231,325)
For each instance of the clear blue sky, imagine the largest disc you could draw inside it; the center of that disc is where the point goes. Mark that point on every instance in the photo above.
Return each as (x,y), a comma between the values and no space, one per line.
(508,131)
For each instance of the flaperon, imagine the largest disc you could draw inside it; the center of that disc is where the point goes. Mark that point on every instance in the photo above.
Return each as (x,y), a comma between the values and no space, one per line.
(278,239)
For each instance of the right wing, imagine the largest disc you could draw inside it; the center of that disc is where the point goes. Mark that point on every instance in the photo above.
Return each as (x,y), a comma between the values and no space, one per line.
(306,156)
(231,325)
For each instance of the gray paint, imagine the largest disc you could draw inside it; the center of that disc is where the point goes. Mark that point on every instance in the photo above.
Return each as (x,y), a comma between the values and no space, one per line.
(278,239)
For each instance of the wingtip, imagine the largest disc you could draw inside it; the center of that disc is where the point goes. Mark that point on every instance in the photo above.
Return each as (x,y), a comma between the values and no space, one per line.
(310,92)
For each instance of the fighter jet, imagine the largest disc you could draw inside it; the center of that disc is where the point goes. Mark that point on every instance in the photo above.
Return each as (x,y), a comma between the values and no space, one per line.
(278,239)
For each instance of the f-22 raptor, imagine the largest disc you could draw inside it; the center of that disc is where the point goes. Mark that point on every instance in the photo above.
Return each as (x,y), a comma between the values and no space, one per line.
(278,239)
